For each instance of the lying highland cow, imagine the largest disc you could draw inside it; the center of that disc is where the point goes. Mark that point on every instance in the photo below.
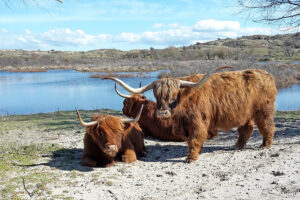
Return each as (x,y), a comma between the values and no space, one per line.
(218,101)
(109,138)
(159,128)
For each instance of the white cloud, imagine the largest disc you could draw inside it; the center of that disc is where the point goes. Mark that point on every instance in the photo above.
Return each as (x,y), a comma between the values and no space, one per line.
(174,25)
(67,37)
(168,34)
(202,31)
(158,25)
(27,31)
(56,38)
(214,25)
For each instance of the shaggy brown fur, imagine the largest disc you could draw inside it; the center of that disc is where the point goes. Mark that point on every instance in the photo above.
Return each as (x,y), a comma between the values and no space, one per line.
(151,125)
(112,140)
(226,100)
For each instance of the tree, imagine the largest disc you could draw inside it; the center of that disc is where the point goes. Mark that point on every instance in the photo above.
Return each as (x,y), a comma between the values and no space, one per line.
(279,12)
(7,2)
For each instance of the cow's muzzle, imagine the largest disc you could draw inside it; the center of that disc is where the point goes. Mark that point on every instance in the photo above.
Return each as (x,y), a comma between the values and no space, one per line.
(111,149)
(163,114)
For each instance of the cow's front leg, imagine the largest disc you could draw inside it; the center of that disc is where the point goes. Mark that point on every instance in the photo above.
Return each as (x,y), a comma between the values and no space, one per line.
(129,156)
(197,137)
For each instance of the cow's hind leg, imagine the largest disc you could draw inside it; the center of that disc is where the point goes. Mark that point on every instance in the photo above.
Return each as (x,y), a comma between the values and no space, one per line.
(87,161)
(245,133)
(212,133)
(266,128)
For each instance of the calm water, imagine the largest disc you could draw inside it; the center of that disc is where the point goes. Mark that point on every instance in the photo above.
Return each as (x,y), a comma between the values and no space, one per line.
(24,93)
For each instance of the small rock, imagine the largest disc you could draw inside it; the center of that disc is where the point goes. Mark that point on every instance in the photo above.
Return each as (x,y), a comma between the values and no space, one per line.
(275,155)
(171,173)
(277,173)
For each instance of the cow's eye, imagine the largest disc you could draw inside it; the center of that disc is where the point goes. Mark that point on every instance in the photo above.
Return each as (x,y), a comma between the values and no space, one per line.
(172,103)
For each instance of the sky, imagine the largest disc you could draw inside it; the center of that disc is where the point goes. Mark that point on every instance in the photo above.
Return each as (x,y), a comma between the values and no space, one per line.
(82,25)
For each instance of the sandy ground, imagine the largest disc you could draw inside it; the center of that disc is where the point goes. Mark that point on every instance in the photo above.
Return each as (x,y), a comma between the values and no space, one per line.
(221,172)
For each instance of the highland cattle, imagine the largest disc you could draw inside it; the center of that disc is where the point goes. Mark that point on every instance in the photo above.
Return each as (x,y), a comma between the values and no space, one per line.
(159,128)
(218,101)
(110,138)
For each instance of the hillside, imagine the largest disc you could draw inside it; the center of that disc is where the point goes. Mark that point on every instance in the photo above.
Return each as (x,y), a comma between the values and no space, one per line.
(255,48)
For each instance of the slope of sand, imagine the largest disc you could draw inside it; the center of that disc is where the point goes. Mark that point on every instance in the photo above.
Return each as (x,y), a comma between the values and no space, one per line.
(221,172)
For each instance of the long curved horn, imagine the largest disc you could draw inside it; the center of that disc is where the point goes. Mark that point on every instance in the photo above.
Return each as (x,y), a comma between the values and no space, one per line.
(203,80)
(120,94)
(129,88)
(129,120)
(85,123)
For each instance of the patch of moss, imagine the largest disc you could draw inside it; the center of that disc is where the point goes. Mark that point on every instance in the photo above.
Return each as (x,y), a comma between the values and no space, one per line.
(62,197)
(63,120)
(288,115)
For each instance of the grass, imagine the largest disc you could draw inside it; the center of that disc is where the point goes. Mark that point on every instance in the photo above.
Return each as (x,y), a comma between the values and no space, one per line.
(66,120)
(14,174)
(287,115)
(19,161)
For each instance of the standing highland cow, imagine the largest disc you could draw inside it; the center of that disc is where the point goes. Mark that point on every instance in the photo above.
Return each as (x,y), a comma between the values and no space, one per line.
(218,101)
(159,128)
(109,138)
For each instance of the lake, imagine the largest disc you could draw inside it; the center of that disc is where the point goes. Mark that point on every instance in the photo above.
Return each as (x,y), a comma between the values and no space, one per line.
(26,93)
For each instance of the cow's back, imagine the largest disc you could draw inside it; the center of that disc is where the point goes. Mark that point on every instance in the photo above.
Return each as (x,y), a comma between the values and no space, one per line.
(230,99)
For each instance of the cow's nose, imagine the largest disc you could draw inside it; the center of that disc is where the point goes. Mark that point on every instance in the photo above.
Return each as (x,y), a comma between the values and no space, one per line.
(112,147)
(163,114)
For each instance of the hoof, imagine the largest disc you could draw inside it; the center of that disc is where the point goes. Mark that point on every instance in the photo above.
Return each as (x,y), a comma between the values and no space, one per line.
(125,159)
(110,164)
(265,146)
(237,147)
(128,159)
(190,160)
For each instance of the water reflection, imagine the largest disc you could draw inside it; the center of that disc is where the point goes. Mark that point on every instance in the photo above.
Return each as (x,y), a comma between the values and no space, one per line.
(24,93)
(288,98)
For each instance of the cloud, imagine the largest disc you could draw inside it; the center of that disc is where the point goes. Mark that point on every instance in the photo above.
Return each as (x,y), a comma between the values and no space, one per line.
(158,25)
(67,37)
(204,30)
(167,35)
(177,36)
(56,39)
(212,25)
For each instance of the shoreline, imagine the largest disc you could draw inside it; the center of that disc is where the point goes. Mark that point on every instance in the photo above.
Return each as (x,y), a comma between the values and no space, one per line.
(285,74)
(112,111)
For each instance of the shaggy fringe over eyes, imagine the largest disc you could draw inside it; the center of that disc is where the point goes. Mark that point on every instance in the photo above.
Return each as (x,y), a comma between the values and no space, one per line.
(165,86)
(114,123)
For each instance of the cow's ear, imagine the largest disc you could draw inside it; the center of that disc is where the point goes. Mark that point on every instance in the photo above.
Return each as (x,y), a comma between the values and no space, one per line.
(94,116)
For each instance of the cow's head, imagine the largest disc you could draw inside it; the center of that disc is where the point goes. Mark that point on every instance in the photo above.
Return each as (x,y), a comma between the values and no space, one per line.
(107,131)
(131,103)
(167,91)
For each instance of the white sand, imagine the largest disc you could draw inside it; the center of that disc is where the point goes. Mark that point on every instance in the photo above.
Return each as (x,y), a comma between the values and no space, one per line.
(220,172)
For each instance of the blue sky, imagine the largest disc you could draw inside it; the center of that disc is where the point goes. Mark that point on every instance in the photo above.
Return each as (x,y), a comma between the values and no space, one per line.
(121,24)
